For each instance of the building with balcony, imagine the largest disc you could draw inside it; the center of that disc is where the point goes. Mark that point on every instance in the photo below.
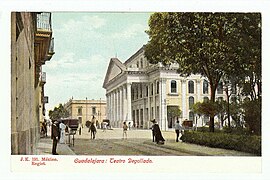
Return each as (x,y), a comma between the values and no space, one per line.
(138,92)
(31,47)
(84,110)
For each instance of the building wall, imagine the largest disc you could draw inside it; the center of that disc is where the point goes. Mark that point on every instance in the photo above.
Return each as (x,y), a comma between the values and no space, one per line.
(26,90)
(24,106)
(86,111)
(140,74)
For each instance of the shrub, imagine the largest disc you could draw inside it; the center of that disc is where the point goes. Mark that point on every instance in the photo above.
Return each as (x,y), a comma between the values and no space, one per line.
(244,143)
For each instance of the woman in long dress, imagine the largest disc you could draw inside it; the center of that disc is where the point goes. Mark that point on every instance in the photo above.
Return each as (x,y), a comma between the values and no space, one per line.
(62,128)
(157,133)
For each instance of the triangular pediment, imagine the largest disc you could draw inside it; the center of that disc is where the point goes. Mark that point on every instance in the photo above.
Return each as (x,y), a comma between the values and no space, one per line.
(115,68)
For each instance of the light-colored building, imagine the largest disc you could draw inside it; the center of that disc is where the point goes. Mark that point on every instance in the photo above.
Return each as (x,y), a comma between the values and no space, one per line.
(31,47)
(84,110)
(138,92)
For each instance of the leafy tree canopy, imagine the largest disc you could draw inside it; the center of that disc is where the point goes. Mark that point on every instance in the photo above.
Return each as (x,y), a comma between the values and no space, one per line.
(58,113)
(210,44)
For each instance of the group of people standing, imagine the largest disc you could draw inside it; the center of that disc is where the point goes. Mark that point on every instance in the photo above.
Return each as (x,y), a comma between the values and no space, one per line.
(156,132)
(157,135)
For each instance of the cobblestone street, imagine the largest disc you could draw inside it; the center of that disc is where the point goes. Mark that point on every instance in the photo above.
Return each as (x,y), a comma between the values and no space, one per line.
(139,142)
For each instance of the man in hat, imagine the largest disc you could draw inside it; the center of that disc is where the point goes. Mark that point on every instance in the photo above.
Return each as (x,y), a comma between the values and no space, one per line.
(54,135)
(157,136)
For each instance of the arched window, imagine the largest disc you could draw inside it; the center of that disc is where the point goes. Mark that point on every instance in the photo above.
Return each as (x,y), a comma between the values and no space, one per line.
(191,116)
(173,86)
(220,88)
(205,87)
(190,102)
(190,87)
(79,111)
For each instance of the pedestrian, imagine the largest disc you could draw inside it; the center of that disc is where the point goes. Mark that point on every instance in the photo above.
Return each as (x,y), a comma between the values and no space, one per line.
(129,126)
(178,129)
(54,135)
(44,127)
(62,128)
(93,119)
(97,124)
(104,126)
(157,133)
(125,127)
(93,130)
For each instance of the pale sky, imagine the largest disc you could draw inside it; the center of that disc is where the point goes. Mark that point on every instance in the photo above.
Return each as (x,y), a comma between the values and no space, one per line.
(83,45)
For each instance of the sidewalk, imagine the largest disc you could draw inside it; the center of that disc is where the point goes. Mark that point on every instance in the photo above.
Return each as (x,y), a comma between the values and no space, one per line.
(143,137)
(44,147)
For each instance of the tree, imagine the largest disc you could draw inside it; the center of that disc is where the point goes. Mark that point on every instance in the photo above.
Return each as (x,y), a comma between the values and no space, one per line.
(202,43)
(58,113)
(252,115)
(196,110)
(173,111)
(222,111)
(207,108)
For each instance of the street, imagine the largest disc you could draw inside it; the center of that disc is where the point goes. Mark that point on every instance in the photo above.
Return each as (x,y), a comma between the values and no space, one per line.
(139,142)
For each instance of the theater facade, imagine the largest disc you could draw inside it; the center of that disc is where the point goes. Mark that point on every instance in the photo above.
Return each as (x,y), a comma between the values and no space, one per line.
(138,91)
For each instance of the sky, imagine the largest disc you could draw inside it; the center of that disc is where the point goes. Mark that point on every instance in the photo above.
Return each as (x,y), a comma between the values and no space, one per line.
(83,45)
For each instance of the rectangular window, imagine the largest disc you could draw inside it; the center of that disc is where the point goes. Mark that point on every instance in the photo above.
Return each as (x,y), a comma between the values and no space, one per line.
(94,110)
(157,87)
(220,88)
(173,86)
(80,111)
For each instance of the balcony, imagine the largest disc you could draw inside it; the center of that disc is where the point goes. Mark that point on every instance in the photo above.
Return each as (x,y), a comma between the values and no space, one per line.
(44,21)
(43,78)
(43,38)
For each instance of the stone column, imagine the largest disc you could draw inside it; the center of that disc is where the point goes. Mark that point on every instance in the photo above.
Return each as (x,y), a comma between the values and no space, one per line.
(154,101)
(121,104)
(107,102)
(129,113)
(184,99)
(111,106)
(114,107)
(162,104)
(124,103)
(117,107)
(149,105)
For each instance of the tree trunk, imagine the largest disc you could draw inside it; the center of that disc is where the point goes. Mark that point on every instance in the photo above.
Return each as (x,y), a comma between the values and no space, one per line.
(228,107)
(212,99)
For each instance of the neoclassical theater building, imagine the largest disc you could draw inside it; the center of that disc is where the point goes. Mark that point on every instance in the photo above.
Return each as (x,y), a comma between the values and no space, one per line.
(138,92)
